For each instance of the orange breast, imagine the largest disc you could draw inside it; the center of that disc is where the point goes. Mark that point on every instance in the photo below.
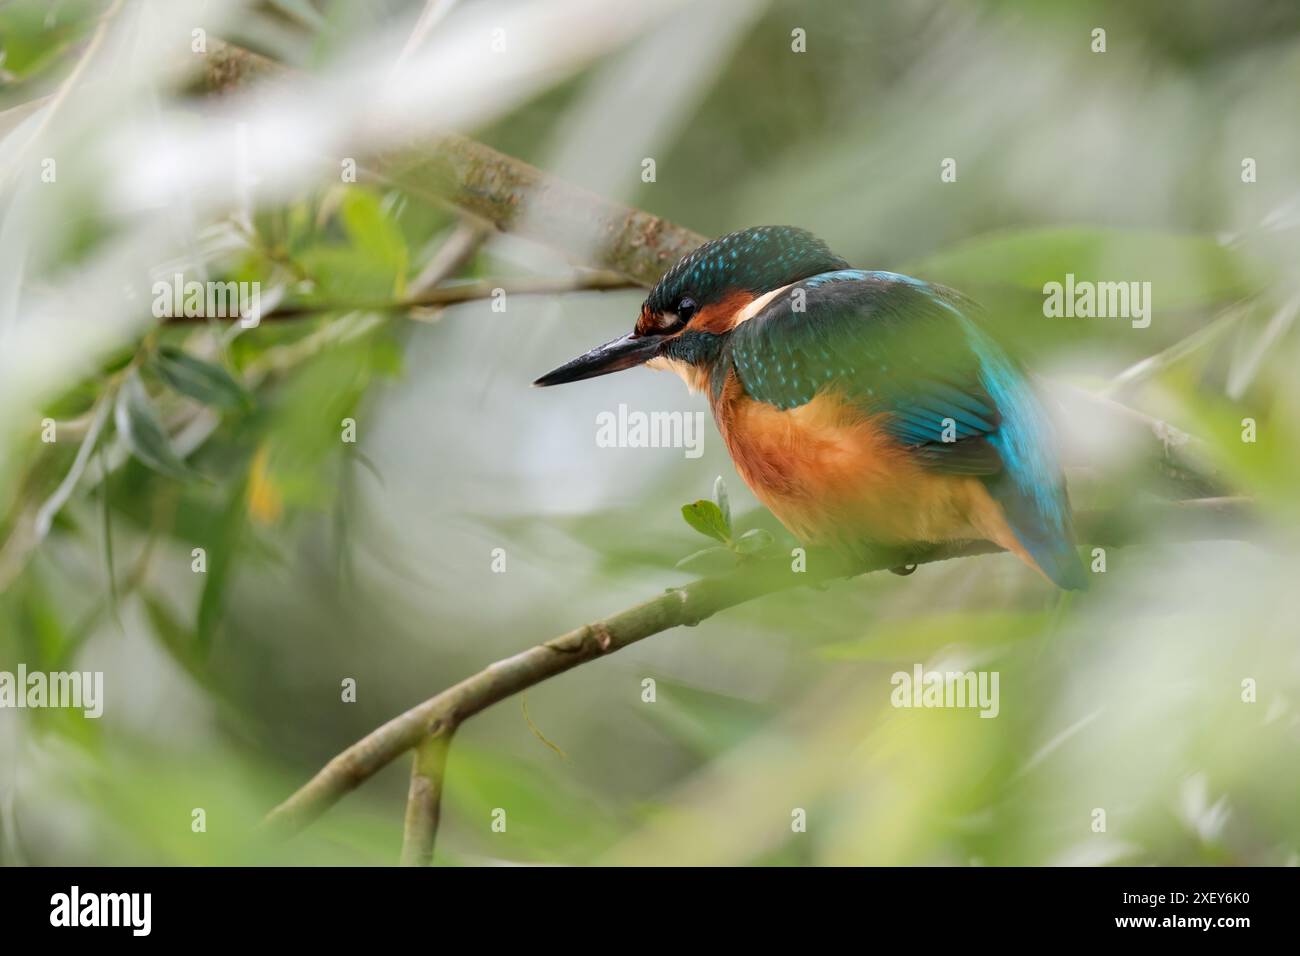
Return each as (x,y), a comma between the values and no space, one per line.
(833,477)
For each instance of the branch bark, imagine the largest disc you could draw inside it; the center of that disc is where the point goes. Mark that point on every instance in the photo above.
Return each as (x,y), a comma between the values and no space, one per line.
(518,198)
(509,194)
(424,800)
(1210,518)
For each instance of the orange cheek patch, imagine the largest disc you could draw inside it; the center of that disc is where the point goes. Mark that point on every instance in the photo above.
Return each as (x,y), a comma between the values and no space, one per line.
(719,317)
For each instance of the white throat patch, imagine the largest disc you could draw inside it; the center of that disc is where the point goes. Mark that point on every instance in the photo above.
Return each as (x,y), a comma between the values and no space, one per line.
(695,378)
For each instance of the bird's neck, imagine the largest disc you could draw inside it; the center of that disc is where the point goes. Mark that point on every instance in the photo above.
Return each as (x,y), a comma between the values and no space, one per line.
(692,356)
(696,377)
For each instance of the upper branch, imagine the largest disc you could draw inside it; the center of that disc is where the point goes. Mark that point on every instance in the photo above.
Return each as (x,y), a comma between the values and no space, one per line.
(499,189)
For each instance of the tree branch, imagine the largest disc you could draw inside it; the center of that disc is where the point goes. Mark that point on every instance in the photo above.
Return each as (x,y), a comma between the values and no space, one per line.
(519,198)
(505,192)
(1210,518)
(447,295)
(1182,459)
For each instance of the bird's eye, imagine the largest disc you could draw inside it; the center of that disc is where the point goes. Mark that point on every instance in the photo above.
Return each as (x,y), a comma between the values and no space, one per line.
(685,309)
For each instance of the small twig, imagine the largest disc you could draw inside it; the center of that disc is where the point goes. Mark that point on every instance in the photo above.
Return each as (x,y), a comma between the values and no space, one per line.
(1181,457)
(537,731)
(451,295)
(454,253)
(1152,365)
(45,516)
(1243,371)
(434,11)
(424,799)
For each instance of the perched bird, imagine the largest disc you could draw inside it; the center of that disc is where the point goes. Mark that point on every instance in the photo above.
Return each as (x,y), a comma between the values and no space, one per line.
(862,408)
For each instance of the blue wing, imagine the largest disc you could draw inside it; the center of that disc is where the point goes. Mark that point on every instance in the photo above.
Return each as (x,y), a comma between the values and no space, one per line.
(895,345)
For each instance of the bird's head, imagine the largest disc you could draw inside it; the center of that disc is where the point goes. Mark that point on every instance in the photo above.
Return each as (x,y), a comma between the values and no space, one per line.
(701,299)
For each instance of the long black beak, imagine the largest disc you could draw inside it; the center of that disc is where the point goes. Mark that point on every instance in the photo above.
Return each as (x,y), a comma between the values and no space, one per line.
(629,351)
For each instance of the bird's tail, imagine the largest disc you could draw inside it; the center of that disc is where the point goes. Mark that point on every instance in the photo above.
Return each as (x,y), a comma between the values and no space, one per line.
(1030,486)
(1047,534)
(1060,562)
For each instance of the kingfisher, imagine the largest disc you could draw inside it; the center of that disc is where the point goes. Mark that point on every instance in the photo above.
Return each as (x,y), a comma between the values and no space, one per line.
(863,409)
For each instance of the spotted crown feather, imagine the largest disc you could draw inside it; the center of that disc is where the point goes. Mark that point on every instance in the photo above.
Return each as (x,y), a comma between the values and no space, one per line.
(752,260)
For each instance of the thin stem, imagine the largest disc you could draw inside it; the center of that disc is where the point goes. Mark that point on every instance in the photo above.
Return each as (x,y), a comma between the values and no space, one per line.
(451,295)
(1152,365)
(424,799)
(45,516)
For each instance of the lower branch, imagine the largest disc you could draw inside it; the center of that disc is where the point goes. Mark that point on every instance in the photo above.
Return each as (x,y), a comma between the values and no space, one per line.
(1200,519)
(424,800)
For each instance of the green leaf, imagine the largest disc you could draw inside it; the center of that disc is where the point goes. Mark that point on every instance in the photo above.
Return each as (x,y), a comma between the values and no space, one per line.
(305,416)
(138,424)
(706,518)
(110,566)
(715,560)
(375,236)
(753,541)
(220,557)
(174,638)
(720,496)
(203,381)
(38,611)
(339,274)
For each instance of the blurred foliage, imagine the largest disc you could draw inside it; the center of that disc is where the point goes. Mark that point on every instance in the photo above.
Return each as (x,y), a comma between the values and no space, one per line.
(325,559)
